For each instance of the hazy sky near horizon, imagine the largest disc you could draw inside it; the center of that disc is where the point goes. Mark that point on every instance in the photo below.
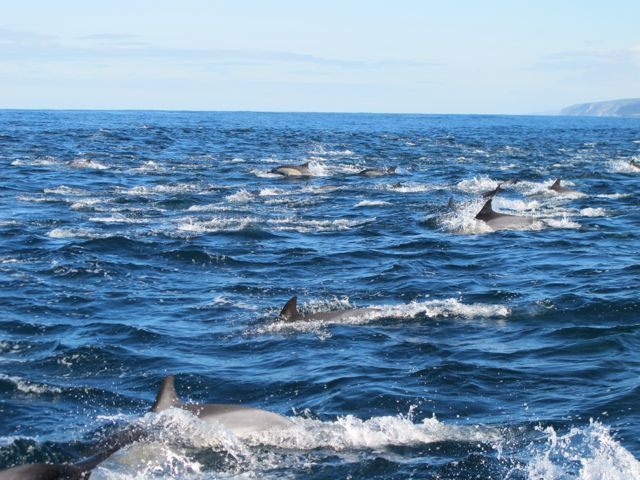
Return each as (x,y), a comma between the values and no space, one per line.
(489,56)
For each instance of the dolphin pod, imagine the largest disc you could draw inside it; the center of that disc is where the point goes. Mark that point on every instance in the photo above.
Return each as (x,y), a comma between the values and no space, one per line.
(290,313)
(237,418)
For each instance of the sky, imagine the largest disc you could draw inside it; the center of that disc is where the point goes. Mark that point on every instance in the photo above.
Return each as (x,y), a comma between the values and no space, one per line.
(401,56)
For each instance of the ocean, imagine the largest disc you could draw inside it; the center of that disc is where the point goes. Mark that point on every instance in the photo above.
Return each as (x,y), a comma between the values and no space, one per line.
(137,244)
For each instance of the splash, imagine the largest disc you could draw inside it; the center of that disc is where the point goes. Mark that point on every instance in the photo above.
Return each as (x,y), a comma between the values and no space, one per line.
(241,196)
(588,453)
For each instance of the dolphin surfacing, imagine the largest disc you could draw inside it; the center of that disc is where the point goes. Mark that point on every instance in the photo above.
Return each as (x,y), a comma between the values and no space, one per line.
(378,172)
(502,221)
(239,419)
(558,188)
(293,170)
(290,313)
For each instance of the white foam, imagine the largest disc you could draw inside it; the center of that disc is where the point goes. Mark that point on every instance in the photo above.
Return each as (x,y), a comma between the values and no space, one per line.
(319,149)
(86,203)
(587,453)
(477,184)
(216,224)
(36,162)
(241,196)
(64,190)
(27,386)
(593,212)
(143,190)
(316,226)
(371,203)
(272,192)
(149,166)
(564,222)
(87,163)
(623,165)
(118,219)
(352,433)
(73,232)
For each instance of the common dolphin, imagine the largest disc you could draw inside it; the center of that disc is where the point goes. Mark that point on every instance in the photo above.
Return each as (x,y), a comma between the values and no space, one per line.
(290,313)
(79,470)
(634,164)
(378,172)
(237,418)
(502,221)
(293,170)
(558,188)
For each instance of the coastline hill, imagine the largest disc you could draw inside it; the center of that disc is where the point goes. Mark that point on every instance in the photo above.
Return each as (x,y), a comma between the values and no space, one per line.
(629,107)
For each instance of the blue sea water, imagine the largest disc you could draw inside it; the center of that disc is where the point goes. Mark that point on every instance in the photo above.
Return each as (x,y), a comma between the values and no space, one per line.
(138,244)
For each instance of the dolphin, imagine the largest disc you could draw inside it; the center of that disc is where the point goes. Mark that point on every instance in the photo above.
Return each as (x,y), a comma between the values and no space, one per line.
(502,221)
(290,313)
(634,164)
(237,418)
(293,170)
(378,172)
(558,188)
(79,470)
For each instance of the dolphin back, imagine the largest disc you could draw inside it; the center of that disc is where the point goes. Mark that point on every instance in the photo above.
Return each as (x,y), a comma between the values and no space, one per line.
(44,471)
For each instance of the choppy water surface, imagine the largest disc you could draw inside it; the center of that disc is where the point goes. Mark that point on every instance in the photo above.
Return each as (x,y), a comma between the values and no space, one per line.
(136,244)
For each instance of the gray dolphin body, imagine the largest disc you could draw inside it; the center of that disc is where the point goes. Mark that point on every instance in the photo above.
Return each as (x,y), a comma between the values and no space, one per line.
(558,188)
(502,221)
(634,164)
(79,470)
(237,418)
(293,170)
(290,313)
(378,172)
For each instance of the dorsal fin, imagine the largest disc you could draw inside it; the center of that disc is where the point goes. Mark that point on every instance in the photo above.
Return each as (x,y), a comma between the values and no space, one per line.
(166,397)
(290,311)
(305,164)
(487,211)
(555,185)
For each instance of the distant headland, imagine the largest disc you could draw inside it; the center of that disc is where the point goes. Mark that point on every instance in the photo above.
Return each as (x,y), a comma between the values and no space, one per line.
(628,107)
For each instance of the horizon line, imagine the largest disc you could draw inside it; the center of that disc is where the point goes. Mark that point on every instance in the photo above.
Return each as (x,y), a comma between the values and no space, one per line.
(325,112)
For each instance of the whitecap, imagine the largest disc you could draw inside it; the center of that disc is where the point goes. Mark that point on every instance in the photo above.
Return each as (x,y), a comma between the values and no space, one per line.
(371,203)
(583,453)
(27,386)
